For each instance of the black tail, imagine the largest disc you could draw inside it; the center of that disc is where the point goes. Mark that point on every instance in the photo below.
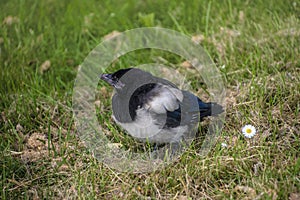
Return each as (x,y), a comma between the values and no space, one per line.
(209,109)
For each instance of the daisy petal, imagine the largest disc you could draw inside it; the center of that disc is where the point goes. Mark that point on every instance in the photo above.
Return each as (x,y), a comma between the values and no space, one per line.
(248,131)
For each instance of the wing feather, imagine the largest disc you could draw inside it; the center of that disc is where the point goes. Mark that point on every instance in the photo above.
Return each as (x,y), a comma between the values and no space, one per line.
(164,98)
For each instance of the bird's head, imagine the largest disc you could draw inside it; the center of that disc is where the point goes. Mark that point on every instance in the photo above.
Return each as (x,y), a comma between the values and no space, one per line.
(114,79)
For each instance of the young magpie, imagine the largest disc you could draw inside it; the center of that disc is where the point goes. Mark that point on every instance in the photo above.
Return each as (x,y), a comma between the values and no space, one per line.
(153,109)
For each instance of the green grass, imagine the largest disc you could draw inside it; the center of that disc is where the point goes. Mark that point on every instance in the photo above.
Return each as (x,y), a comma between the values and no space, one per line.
(257,41)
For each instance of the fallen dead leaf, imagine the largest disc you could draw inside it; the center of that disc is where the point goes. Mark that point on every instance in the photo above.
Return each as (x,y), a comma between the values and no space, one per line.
(9,20)
(3,116)
(45,66)
(251,193)
(186,64)
(114,145)
(88,19)
(241,16)
(104,92)
(19,128)
(198,38)
(97,103)
(111,35)
(294,196)
(40,38)
(229,32)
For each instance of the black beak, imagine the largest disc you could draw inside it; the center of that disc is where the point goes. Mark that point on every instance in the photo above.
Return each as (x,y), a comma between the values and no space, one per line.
(108,79)
(111,81)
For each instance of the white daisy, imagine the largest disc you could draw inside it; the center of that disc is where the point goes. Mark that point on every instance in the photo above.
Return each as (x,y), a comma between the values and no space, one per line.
(223,144)
(249,131)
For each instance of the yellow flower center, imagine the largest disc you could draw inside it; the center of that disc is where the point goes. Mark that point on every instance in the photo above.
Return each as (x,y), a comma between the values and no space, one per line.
(248,130)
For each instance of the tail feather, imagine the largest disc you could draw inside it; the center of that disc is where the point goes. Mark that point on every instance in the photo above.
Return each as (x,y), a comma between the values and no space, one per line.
(209,109)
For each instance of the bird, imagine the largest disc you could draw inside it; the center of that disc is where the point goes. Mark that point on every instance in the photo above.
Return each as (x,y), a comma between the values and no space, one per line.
(154,109)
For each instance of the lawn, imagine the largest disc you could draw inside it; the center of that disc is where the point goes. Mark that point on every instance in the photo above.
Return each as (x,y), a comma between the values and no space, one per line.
(254,44)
